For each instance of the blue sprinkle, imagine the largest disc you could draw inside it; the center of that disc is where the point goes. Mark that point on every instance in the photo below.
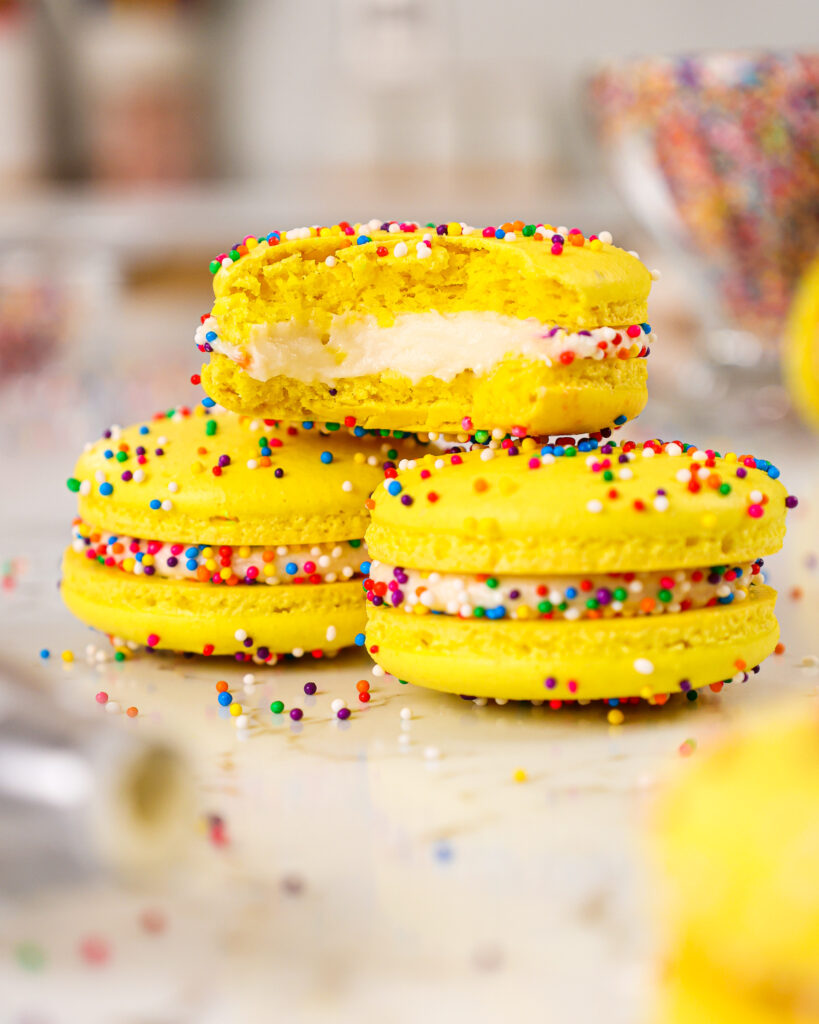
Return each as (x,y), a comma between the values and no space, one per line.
(571,593)
(155,503)
(191,552)
(225,698)
(45,653)
(144,430)
(208,403)
(726,600)
(613,702)
(108,453)
(496,613)
(500,233)
(359,431)
(619,420)
(307,424)
(547,449)
(558,450)
(393,487)
(773,472)
(291,568)
(365,568)
(265,451)
(191,564)
(326,458)
(139,555)
(646,328)
(363,239)
(211,336)
(106,489)
(360,640)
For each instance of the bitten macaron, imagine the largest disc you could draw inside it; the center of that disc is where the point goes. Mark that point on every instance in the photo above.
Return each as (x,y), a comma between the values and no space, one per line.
(211,533)
(530,329)
(736,844)
(575,572)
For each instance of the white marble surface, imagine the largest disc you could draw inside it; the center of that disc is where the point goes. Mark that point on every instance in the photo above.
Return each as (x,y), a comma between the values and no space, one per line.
(362,879)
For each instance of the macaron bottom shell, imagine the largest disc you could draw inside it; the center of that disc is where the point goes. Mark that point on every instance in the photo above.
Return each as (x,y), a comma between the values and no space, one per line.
(182,615)
(584,660)
(586,396)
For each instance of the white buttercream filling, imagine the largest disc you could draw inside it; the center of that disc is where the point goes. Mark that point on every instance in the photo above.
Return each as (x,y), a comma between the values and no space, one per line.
(415,345)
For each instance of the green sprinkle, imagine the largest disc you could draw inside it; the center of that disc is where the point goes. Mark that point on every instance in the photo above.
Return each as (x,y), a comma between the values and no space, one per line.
(30,956)
(403,682)
(544,607)
(479,612)
(592,603)
(234,254)
(121,456)
(528,230)
(263,442)
(563,606)
(210,428)
(383,433)
(665,595)
(570,452)
(392,453)
(724,488)
(214,266)
(481,436)
(492,582)
(73,484)
(332,426)
(119,656)
(620,594)
(399,434)
(608,476)
(277,707)
(354,543)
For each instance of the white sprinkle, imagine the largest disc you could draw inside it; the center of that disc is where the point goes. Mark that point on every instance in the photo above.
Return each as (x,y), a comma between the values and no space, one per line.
(99,476)
(487,455)
(113,707)
(85,486)
(439,463)
(240,635)
(406,714)
(683,475)
(400,249)
(173,486)
(594,505)
(698,456)
(661,503)
(673,449)
(631,252)
(167,505)
(547,460)
(480,702)
(605,237)
(432,753)
(422,251)
(755,497)
(337,705)
(510,236)
(500,701)
(298,652)
(330,635)
(625,473)
(656,275)
(331,261)
(378,671)
(252,464)
(249,679)
(648,453)
(347,486)
(227,262)
(644,666)
(139,475)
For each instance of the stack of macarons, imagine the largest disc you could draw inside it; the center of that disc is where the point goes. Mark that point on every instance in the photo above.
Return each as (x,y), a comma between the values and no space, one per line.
(582,568)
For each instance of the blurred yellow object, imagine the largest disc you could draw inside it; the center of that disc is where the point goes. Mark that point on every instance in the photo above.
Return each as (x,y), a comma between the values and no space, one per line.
(801,346)
(739,848)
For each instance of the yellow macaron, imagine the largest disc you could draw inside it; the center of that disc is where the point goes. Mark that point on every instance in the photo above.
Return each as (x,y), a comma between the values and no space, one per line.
(574,572)
(219,534)
(737,846)
(525,328)
(800,346)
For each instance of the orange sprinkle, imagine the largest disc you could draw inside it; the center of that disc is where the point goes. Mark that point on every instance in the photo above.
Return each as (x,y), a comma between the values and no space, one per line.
(779,649)
(480,485)
(132,712)
(362,686)
(740,664)
(715,687)
(221,686)
(648,604)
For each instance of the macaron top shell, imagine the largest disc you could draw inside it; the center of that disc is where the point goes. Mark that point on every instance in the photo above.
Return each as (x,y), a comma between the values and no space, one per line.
(550,509)
(384,273)
(216,478)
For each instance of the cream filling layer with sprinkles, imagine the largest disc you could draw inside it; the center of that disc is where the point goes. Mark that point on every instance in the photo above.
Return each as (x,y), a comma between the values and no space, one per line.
(590,596)
(330,562)
(417,345)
